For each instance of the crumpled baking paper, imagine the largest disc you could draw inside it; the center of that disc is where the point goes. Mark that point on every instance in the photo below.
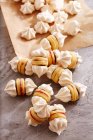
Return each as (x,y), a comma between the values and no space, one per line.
(16,22)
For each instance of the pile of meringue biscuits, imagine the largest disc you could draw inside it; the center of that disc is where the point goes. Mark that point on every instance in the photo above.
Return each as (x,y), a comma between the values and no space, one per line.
(50,60)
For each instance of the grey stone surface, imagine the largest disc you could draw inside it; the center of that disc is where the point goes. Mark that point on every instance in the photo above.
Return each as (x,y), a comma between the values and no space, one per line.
(13,125)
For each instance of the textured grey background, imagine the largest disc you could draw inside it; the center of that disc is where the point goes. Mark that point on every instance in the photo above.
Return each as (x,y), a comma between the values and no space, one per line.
(13,125)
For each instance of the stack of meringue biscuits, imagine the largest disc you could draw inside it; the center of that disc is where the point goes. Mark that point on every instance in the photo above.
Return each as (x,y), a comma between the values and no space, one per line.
(48,59)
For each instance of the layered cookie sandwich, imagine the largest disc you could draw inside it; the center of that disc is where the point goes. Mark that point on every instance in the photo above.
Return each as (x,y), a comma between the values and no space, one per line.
(20,87)
(69,59)
(21,65)
(53,42)
(39,61)
(72,92)
(41,97)
(57,119)
(32,117)
(59,75)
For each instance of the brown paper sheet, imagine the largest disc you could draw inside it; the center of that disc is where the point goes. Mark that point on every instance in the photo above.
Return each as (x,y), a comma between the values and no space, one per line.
(16,22)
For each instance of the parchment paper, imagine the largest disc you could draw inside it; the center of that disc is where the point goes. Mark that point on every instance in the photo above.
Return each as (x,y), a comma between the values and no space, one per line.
(16,22)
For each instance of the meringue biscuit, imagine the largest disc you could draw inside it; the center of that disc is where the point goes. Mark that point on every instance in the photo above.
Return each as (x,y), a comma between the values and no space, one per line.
(56,74)
(72,28)
(74,92)
(40,61)
(27,8)
(42,93)
(28,33)
(73,7)
(60,39)
(41,27)
(35,118)
(45,16)
(53,41)
(20,86)
(74,61)
(39,4)
(21,65)
(56,114)
(51,58)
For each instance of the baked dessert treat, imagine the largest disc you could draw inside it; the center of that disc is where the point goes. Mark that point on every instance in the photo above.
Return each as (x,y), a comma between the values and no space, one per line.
(45,44)
(41,27)
(44,91)
(72,27)
(73,7)
(39,53)
(59,75)
(57,119)
(45,16)
(56,28)
(71,92)
(27,8)
(39,70)
(52,42)
(32,117)
(22,65)
(28,33)
(20,87)
(39,65)
(39,61)
(42,108)
(69,59)
(60,17)
(41,98)
(61,39)
(56,6)
(39,4)
(51,56)
(65,59)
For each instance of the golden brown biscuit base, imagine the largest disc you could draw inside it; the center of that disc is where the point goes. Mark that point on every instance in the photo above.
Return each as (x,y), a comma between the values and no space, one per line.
(20,86)
(48,1)
(56,74)
(51,58)
(57,114)
(32,119)
(40,61)
(73,61)
(35,118)
(74,92)
(42,93)
(53,41)
(21,65)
